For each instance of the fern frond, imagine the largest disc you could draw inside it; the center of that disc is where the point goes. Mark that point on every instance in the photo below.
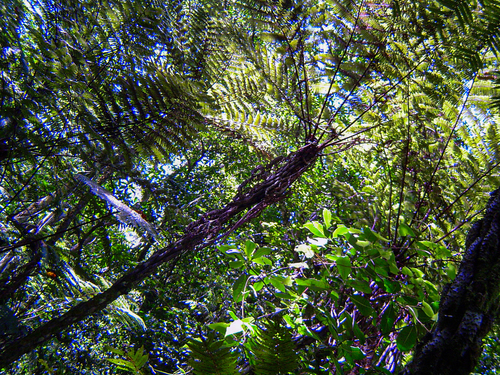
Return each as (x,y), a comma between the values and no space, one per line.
(209,356)
(273,350)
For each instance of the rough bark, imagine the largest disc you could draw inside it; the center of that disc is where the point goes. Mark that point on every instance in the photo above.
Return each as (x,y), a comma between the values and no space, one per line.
(271,185)
(468,305)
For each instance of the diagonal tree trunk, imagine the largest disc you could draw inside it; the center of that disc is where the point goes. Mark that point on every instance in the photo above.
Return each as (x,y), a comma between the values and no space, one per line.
(272,186)
(468,305)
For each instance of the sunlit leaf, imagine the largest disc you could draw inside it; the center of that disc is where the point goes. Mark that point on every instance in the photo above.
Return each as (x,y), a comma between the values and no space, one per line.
(407,338)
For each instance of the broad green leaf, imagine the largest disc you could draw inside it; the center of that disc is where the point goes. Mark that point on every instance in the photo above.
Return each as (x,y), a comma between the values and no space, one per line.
(249,248)
(359,333)
(238,288)
(315,228)
(115,350)
(225,248)
(360,285)
(407,338)
(303,330)
(233,253)
(285,295)
(381,267)
(219,327)
(373,236)
(363,305)
(363,243)
(356,353)
(122,364)
(417,272)
(344,266)
(278,282)
(263,261)
(405,230)
(261,251)
(427,309)
(388,319)
(236,264)
(393,268)
(406,271)
(288,281)
(427,244)
(258,286)
(313,283)
(391,286)
(341,230)
(327,217)
(451,271)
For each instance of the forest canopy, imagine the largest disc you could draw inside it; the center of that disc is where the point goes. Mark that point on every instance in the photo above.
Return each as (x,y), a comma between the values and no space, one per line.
(249,187)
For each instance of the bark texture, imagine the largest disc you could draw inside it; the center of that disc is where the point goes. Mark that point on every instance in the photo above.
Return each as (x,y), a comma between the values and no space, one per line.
(266,186)
(468,305)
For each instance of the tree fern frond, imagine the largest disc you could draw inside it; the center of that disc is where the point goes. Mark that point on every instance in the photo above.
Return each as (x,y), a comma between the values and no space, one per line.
(209,356)
(273,350)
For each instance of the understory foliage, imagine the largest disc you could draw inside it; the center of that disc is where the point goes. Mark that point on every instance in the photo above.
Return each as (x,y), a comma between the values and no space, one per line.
(251,186)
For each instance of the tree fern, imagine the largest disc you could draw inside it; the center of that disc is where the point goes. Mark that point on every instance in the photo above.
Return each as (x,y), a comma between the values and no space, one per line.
(211,356)
(272,350)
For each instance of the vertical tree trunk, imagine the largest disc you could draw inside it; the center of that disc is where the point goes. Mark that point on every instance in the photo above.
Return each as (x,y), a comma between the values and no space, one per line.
(468,305)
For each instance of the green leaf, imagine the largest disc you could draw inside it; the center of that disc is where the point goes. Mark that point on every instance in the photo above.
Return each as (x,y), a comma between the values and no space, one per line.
(406,271)
(405,230)
(427,309)
(407,338)
(238,288)
(237,264)
(363,243)
(314,284)
(233,253)
(427,244)
(373,236)
(359,333)
(344,267)
(393,268)
(122,364)
(341,230)
(263,261)
(278,282)
(388,319)
(391,286)
(451,271)
(249,248)
(315,228)
(360,285)
(258,286)
(363,305)
(417,272)
(327,218)
(114,350)
(262,251)
(219,327)
(356,353)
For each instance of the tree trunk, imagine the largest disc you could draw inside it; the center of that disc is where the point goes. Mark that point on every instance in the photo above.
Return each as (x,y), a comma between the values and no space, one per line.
(276,178)
(468,305)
